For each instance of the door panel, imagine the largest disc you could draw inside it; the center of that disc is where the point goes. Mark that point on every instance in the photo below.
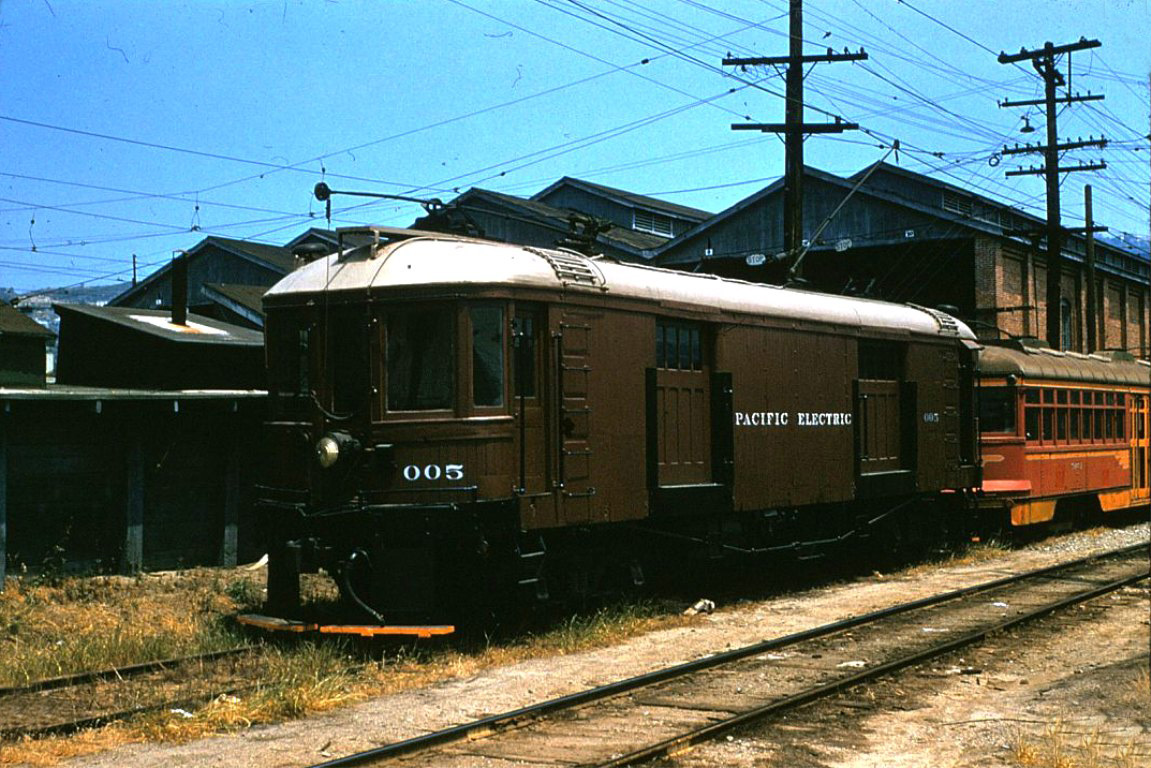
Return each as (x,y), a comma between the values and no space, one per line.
(880,426)
(682,395)
(684,427)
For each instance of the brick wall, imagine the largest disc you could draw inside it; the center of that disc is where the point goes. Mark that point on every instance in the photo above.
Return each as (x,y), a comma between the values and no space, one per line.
(989,278)
(1112,316)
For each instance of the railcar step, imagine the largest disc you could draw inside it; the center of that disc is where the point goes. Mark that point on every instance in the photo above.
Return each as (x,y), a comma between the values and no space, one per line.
(276,624)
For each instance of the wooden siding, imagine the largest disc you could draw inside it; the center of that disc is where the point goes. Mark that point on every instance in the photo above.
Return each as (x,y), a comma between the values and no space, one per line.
(128,484)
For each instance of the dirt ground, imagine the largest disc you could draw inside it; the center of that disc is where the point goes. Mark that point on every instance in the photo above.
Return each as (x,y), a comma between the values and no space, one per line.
(1073,693)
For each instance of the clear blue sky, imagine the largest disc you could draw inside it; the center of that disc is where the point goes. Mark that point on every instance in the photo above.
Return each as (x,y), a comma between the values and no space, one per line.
(127,124)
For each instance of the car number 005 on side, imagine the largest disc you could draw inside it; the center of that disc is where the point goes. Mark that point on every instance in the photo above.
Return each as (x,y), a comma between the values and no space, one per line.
(433,472)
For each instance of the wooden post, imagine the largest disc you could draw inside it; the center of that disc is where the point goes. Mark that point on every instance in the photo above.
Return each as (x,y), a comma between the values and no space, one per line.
(132,559)
(229,544)
(1092,298)
(3,495)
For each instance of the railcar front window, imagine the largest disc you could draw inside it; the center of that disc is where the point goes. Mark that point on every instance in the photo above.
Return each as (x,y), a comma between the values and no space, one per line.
(487,356)
(421,375)
(349,361)
(997,410)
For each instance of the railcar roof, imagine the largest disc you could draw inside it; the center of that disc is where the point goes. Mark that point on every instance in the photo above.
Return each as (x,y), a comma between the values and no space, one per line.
(430,260)
(1045,364)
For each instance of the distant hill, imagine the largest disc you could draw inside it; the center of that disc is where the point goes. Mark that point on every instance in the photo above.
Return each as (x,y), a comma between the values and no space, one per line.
(38,304)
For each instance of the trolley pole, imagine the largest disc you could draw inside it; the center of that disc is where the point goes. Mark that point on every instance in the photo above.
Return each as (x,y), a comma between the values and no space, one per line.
(793,128)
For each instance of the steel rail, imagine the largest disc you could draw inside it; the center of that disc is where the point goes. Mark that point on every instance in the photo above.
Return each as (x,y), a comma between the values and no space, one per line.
(708,732)
(507,720)
(114,673)
(96,721)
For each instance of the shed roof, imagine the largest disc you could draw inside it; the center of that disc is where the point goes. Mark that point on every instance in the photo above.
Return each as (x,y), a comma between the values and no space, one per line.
(277,258)
(199,330)
(871,188)
(1045,364)
(247,297)
(557,218)
(13,322)
(628,198)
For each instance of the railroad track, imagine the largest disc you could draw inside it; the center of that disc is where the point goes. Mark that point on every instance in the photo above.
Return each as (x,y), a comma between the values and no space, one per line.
(70,703)
(645,717)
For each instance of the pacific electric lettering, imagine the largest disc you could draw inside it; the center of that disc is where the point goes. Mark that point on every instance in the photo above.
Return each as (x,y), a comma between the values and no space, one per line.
(785,419)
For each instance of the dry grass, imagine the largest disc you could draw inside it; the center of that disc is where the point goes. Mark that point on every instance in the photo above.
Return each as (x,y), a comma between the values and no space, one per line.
(972,553)
(58,627)
(1136,694)
(78,624)
(1062,746)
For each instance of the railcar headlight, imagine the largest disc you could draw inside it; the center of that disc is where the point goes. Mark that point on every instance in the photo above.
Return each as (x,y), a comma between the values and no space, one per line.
(336,447)
(327,451)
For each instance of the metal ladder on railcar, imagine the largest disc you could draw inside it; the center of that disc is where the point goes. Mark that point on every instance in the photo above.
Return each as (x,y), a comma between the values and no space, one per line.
(573,378)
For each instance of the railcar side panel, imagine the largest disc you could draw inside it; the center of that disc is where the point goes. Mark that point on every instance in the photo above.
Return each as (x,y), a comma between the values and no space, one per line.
(792,415)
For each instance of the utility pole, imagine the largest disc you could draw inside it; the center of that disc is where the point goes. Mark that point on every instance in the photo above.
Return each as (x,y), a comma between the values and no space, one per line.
(793,128)
(1044,62)
(1092,296)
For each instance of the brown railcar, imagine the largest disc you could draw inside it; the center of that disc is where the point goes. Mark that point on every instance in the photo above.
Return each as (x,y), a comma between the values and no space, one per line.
(1062,433)
(455,416)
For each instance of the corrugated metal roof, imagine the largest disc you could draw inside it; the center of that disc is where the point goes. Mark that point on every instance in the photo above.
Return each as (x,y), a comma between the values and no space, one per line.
(444,260)
(199,330)
(1047,364)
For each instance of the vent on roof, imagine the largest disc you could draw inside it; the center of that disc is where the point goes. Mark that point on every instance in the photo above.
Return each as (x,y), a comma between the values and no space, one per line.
(656,224)
(948,325)
(571,267)
(957,203)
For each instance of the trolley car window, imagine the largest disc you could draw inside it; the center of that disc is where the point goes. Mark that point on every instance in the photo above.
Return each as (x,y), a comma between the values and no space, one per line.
(997,409)
(487,355)
(880,360)
(421,375)
(1032,423)
(678,346)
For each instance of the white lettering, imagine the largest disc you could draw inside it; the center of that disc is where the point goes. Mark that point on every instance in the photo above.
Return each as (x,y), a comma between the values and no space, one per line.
(783,419)
(433,472)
